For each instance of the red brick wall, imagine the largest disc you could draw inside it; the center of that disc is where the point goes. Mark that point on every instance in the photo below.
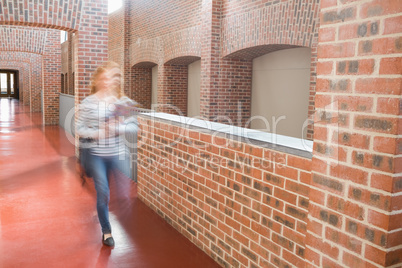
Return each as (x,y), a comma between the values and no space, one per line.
(348,199)
(64,57)
(210,43)
(164,19)
(174,93)
(244,205)
(225,83)
(71,65)
(118,47)
(36,83)
(234,98)
(116,37)
(216,31)
(51,77)
(355,195)
(90,44)
(162,40)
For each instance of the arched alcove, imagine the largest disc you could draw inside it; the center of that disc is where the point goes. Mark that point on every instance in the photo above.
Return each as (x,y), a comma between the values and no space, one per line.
(257,51)
(144,83)
(276,88)
(180,86)
(183,60)
(62,83)
(280,92)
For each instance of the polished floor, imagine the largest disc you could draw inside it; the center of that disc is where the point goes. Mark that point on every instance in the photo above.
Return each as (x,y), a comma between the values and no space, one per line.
(48,218)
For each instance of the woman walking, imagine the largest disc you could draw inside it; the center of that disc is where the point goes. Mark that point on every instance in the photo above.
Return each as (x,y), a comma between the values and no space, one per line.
(102,132)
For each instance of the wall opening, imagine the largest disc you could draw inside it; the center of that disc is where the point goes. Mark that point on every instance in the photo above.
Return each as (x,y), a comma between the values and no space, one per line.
(154,86)
(144,83)
(280,92)
(9,83)
(194,87)
(178,83)
(66,83)
(73,84)
(62,83)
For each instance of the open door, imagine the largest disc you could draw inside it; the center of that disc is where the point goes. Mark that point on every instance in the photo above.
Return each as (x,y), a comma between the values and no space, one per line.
(8,84)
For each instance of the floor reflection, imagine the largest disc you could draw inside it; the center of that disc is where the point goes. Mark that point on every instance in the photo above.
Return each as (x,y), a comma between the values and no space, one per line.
(48,218)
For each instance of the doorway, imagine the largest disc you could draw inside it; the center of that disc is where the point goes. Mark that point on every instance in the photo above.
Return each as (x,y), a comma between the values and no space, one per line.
(8,84)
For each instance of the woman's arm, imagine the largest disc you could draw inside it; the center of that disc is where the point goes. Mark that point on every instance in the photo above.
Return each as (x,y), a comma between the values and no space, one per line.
(87,122)
(130,123)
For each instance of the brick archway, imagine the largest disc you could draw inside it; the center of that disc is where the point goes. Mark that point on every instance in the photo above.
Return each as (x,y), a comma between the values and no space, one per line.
(23,63)
(256,51)
(87,19)
(281,30)
(29,44)
(182,43)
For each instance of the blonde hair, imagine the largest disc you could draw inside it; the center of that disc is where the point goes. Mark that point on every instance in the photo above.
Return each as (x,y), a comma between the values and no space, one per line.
(103,68)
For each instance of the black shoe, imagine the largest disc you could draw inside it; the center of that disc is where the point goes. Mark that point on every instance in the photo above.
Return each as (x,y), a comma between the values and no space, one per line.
(108,241)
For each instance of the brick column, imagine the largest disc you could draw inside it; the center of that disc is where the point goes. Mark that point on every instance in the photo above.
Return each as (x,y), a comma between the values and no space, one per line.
(225,83)
(51,78)
(27,91)
(90,48)
(21,78)
(355,217)
(210,55)
(127,75)
(34,92)
(70,89)
(91,45)
(24,83)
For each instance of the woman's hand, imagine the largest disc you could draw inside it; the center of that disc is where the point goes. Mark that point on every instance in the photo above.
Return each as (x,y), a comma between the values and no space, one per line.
(112,127)
(109,129)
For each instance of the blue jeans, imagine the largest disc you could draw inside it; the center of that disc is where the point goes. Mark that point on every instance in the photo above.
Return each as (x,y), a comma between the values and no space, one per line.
(101,168)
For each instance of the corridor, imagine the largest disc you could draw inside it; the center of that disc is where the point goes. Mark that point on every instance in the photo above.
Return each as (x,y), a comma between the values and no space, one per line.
(48,218)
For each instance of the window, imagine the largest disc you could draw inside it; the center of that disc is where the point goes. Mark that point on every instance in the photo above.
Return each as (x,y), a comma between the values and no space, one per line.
(194,84)
(63,36)
(73,83)
(62,83)
(67,91)
(3,83)
(154,86)
(114,5)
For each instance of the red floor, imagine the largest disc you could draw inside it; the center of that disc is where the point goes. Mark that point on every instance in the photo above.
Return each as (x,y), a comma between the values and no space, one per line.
(48,219)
